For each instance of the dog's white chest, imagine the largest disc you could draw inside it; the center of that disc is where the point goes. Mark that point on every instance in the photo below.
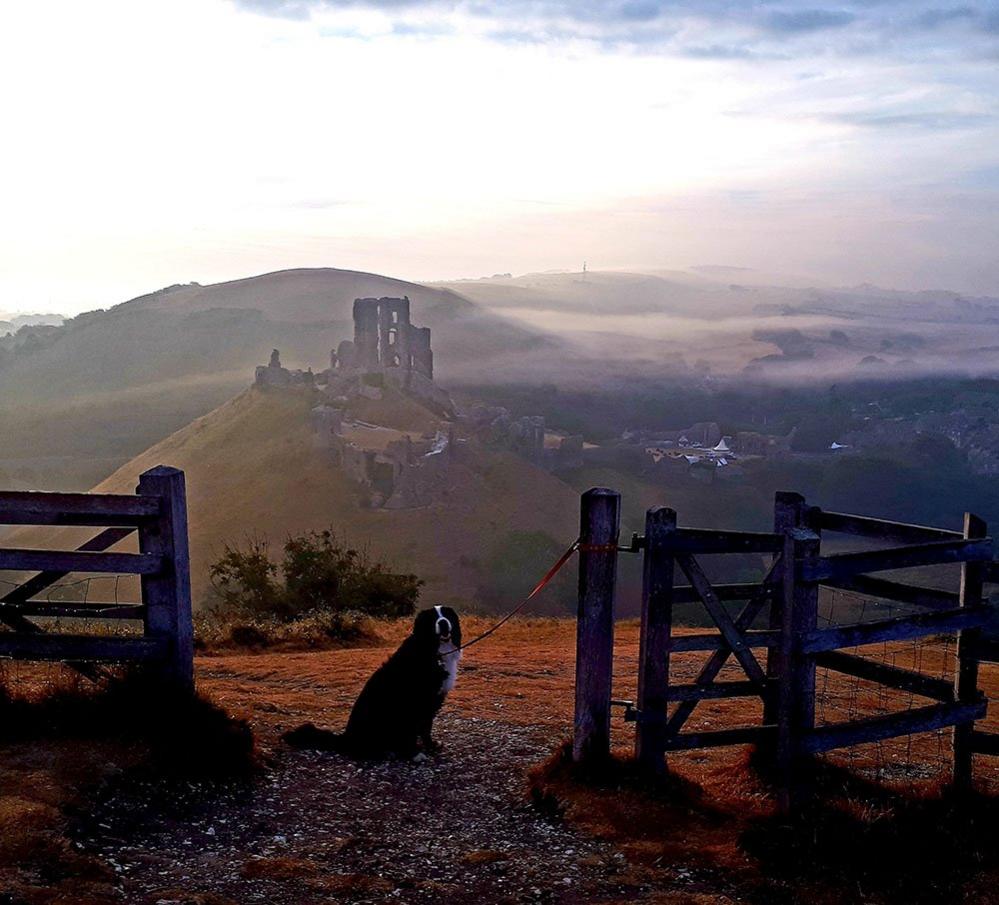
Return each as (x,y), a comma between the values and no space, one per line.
(450,656)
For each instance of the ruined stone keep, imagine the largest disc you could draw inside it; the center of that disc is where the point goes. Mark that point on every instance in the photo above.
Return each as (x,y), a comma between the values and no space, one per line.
(385,340)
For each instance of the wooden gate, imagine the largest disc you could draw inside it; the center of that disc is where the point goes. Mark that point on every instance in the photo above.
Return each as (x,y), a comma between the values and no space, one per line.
(785,601)
(158,512)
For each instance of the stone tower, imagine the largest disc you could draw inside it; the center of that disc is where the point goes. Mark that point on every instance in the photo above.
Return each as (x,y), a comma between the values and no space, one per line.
(385,340)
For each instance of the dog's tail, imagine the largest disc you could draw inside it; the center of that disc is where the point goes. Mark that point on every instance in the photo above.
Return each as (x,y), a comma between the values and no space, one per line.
(311,736)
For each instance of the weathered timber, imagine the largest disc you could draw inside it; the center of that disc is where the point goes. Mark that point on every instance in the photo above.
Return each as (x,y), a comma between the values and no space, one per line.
(733,637)
(987,649)
(702,540)
(38,583)
(882,673)
(804,619)
(845,565)
(789,509)
(81,610)
(717,660)
(876,728)
(166,593)
(966,676)
(985,743)
(715,690)
(17,559)
(38,508)
(898,628)
(654,643)
(716,738)
(714,641)
(741,591)
(13,614)
(931,598)
(600,524)
(79,647)
(861,525)
(795,710)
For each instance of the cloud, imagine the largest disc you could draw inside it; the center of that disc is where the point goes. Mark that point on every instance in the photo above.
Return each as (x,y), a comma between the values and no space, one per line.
(934,18)
(928,120)
(718,52)
(808,20)
(706,29)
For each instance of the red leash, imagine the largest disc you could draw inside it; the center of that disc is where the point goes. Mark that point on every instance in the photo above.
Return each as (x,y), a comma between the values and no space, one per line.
(549,575)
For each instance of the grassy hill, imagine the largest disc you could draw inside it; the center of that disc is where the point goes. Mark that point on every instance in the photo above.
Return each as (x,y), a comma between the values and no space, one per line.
(108,384)
(252,469)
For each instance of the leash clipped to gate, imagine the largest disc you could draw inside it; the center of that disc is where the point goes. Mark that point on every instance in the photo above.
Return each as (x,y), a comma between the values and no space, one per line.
(538,588)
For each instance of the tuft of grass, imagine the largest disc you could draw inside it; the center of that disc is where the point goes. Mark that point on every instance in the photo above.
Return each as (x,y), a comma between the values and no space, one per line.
(184,734)
(64,739)
(909,849)
(857,844)
(320,630)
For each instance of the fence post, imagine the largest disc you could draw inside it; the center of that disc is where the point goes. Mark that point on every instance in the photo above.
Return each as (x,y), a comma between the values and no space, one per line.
(657,623)
(599,526)
(966,674)
(788,510)
(796,701)
(167,595)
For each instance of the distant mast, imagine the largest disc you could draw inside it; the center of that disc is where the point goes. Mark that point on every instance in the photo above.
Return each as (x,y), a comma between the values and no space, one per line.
(584,270)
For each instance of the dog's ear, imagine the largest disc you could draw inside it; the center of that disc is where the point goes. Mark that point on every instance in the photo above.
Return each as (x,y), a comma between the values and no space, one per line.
(452,616)
(424,626)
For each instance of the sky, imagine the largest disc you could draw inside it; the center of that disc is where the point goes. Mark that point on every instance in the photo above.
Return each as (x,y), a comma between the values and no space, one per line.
(152,142)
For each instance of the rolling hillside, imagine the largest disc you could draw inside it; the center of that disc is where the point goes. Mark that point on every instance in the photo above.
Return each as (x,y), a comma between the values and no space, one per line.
(252,469)
(111,383)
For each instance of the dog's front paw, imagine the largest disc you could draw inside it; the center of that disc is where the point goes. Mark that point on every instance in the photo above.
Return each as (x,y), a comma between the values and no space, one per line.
(431,747)
(420,758)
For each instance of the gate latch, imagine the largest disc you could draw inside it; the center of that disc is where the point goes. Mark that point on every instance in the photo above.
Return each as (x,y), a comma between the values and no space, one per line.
(630,714)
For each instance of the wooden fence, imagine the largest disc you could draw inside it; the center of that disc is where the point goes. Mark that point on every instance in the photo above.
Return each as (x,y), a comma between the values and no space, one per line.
(158,513)
(779,619)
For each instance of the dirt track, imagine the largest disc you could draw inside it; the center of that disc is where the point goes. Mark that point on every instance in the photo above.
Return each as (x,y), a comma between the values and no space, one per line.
(457,828)
(319,827)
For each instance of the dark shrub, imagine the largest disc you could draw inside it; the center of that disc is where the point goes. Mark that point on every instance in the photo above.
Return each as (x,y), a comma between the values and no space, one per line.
(318,574)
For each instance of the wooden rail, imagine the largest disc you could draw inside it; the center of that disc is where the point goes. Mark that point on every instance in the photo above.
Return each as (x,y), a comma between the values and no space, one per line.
(16,559)
(869,586)
(158,512)
(892,725)
(881,529)
(91,509)
(846,565)
(900,628)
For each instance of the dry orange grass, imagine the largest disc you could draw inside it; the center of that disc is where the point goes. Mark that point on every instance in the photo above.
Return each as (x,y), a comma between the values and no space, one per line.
(713,820)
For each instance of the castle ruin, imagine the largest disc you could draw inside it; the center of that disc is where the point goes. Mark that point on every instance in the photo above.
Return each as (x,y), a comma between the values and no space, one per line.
(385,340)
(397,469)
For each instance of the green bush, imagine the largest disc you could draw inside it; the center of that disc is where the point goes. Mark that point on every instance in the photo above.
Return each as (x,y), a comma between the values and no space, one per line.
(318,573)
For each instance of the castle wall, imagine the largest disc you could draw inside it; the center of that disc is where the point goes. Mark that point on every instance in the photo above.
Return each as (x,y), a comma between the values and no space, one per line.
(421,353)
(366,333)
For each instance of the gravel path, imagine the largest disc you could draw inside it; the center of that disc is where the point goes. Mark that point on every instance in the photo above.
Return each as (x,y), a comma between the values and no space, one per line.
(321,828)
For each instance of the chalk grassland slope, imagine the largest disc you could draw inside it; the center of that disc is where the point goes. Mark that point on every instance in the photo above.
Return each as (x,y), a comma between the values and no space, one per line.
(111,383)
(251,469)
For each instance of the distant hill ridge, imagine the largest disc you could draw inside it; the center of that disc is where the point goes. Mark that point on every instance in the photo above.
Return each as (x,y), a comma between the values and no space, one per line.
(111,383)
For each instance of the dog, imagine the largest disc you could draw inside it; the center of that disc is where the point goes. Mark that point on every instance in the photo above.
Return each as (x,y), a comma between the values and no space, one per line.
(394,713)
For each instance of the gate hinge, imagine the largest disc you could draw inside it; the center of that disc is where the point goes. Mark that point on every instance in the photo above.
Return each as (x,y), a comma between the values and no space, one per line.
(637,543)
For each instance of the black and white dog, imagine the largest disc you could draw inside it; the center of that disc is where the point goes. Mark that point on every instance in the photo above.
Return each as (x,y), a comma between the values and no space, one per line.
(394,713)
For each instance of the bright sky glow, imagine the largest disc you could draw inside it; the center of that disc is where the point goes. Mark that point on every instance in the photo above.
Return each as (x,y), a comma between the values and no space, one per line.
(150,142)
